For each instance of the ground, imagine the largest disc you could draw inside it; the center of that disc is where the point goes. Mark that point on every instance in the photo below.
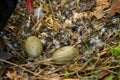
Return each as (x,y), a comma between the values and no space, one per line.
(91,26)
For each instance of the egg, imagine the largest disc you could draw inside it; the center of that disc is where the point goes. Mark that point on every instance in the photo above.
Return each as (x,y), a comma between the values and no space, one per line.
(65,54)
(33,47)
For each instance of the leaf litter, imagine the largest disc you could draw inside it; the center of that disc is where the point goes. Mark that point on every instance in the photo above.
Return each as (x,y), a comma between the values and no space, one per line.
(89,25)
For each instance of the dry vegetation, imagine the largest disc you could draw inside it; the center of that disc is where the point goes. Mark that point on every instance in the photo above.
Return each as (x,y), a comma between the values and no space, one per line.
(92,26)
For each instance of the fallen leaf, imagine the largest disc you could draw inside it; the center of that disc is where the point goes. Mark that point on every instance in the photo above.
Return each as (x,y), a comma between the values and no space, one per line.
(68,22)
(75,35)
(75,67)
(101,5)
(86,5)
(115,7)
(102,74)
(63,2)
(99,14)
(12,75)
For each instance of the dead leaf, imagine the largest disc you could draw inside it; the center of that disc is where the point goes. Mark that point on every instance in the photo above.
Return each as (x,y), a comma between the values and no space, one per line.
(46,8)
(12,75)
(13,28)
(86,5)
(101,5)
(75,67)
(115,7)
(63,2)
(75,35)
(68,22)
(102,74)
(99,14)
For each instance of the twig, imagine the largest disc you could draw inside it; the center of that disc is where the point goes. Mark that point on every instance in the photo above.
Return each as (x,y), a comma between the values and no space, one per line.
(85,64)
(20,67)
(50,6)
(33,63)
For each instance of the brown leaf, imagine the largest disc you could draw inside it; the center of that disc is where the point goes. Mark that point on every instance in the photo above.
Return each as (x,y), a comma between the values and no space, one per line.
(12,75)
(102,74)
(101,5)
(63,2)
(68,22)
(115,7)
(75,67)
(99,14)
(75,35)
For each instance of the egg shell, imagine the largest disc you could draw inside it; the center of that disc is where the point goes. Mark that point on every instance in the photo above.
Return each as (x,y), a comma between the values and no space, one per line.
(65,54)
(33,46)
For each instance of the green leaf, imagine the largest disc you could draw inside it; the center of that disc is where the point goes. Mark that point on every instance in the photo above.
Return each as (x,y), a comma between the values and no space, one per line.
(66,73)
(115,51)
(109,77)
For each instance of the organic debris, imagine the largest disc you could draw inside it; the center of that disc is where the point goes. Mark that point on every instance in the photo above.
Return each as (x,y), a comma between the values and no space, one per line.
(87,25)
